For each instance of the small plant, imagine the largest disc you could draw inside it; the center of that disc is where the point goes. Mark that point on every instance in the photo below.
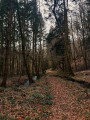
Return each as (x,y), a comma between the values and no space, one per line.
(23,116)
(78,99)
(37,95)
(48,99)
(48,102)
(20,102)
(2,96)
(11,99)
(46,113)
(2,118)
(15,88)
(33,88)
(48,96)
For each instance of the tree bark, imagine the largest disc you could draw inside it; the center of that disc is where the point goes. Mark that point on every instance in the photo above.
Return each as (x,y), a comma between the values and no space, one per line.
(7,46)
(68,69)
(23,47)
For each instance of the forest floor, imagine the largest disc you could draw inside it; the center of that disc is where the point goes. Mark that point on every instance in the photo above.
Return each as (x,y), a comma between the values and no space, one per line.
(50,98)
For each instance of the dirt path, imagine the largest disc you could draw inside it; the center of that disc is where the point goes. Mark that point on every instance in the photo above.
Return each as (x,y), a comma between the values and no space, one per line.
(70,101)
(49,98)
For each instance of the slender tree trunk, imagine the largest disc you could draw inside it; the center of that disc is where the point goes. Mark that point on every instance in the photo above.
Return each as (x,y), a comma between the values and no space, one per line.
(7,46)
(23,47)
(74,47)
(33,62)
(40,48)
(13,56)
(2,50)
(84,46)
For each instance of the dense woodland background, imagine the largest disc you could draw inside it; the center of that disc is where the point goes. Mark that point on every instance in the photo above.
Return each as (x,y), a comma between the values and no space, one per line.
(27,48)
(44,59)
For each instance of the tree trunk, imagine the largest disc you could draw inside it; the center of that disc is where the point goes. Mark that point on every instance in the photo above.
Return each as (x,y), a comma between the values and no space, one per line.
(7,46)
(23,47)
(74,47)
(84,54)
(66,44)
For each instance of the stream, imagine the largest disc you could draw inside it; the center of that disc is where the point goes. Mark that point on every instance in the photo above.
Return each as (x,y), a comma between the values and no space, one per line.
(27,83)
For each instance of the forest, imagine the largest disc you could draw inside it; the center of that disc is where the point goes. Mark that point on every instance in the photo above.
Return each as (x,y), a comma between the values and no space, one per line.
(44,59)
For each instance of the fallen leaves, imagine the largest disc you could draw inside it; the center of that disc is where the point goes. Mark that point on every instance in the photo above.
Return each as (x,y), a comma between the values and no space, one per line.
(51,98)
(69,101)
(25,103)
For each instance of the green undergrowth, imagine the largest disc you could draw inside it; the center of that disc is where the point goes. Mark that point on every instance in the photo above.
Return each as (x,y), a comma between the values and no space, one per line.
(2,118)
(48,98)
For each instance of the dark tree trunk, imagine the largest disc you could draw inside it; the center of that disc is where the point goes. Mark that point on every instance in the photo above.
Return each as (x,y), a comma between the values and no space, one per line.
(7,46)
(23,47)
(68,68)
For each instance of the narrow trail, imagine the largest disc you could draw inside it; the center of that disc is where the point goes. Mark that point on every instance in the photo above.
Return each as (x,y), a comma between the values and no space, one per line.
(65,105)
(49,98)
